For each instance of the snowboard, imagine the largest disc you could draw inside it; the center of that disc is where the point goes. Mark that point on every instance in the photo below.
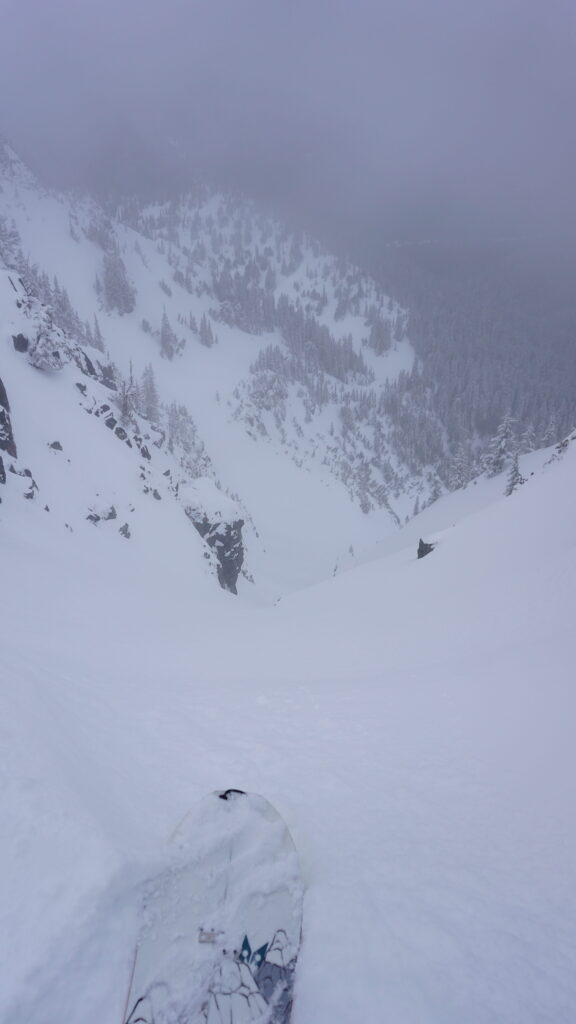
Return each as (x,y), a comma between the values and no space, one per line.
(221,925)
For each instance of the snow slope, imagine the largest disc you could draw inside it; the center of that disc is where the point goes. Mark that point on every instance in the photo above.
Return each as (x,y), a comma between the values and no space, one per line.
(297,460)
(413,722)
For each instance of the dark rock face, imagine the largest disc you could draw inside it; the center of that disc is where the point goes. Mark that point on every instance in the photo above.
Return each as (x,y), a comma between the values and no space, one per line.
(125,531)
(84,364)
(56,446)
(4,397)
(424,548)
(7,443)
(20,342)
(2,471)
(225,539)
(6,436)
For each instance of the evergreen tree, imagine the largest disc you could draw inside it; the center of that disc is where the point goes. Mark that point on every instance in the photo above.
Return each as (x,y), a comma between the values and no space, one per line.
(380,338)
(515,478)
(528,440)
(550,435)
(98,339)
(500,449)
(459,473)
(206,333)
(168,340)
(109,375)
(128,397)
(135,390)
(10,243)
(150,402)
(118,293)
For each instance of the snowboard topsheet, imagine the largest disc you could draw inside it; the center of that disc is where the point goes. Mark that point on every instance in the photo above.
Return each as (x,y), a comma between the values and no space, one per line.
(221,926)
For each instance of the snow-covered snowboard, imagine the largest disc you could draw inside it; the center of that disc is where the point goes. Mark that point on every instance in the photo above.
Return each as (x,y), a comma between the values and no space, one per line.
(221,926)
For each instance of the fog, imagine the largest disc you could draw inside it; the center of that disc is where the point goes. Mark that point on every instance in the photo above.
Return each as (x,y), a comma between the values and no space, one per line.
(420,118)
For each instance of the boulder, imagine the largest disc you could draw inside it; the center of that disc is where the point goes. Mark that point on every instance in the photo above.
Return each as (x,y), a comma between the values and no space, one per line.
(424,548)
(20,342)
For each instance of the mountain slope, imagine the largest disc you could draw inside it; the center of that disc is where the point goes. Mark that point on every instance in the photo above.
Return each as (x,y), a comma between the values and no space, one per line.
(282,354)
(412,720)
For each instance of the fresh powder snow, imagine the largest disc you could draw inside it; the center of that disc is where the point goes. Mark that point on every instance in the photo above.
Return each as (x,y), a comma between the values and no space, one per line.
(412,720)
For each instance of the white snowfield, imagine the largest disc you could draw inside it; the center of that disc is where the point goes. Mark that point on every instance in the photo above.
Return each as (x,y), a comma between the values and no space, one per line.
(270,468)
(412,721)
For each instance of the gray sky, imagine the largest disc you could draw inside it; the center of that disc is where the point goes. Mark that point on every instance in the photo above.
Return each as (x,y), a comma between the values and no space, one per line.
(428,115)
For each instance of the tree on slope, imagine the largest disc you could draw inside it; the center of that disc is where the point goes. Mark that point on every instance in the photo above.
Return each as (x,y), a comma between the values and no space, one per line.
(149,395)
(460,467)
(97,335)
(500,449)
(515,478)
(117,292)
(207,337)
(528,440)
(128,396)
(168,340)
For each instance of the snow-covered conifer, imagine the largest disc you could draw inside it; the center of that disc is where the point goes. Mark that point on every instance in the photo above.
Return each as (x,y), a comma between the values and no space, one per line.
(128,398)
(550,435)
(500,449)
(515,478)
(149,395)
(97,333)
(118,293)
(168,340)
(206,333)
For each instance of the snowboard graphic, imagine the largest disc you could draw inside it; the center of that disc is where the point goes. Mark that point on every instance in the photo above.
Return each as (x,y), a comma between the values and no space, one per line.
(221,927)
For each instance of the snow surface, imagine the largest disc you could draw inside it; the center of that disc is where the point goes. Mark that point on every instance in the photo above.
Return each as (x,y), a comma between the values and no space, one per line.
(412,721)
(285,485)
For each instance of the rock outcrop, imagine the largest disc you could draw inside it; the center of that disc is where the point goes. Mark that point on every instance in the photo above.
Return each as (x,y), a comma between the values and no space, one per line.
(424,548)
(217,519)
(226,541)
(7,443)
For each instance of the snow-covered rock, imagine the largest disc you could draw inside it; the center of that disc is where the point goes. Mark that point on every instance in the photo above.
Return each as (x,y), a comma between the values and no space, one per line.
(218,521)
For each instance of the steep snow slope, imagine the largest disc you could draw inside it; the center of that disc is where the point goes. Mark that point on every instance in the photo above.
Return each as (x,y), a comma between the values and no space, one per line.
(281,353)
(412,720)
(68,450)
(86,458)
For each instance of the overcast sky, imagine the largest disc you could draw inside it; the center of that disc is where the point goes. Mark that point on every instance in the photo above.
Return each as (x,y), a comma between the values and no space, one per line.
(419,113)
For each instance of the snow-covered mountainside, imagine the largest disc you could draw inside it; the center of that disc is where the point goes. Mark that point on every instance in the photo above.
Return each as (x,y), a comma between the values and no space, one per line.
(411,719)
(191,395)
(271,363)
(66,447)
